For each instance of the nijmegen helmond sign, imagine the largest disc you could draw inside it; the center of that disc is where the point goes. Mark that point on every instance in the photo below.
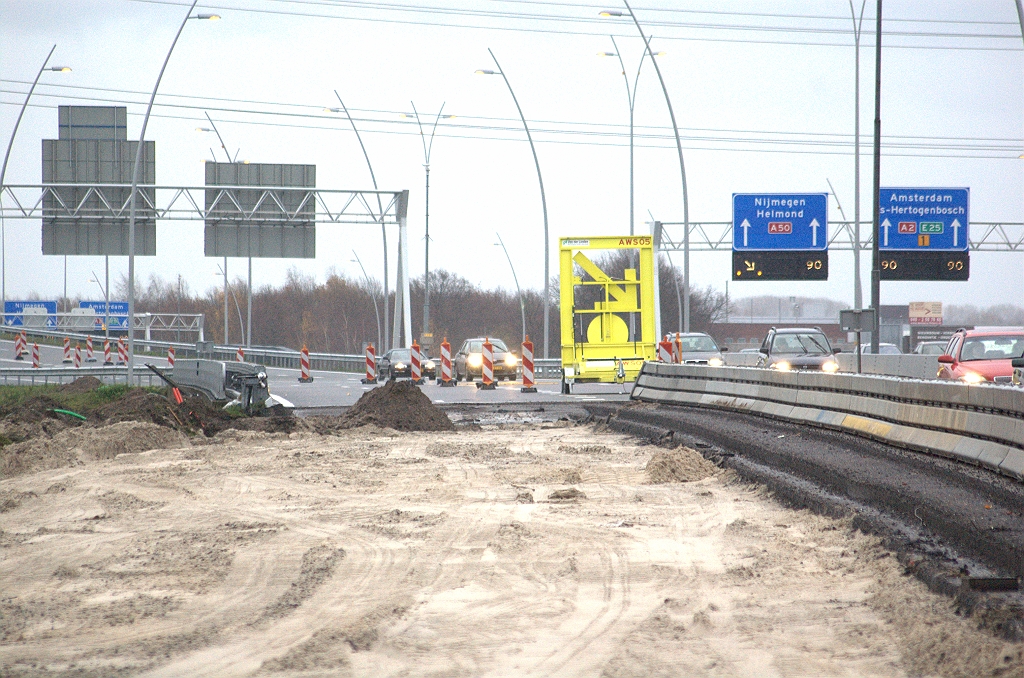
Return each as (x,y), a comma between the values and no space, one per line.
(923,219)
(785,221)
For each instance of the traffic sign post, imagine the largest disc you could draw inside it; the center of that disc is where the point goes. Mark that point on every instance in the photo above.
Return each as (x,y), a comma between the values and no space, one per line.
(923,233)
(780,236)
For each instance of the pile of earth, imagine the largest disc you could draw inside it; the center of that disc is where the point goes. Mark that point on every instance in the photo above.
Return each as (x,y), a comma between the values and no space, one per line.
(398,405)
(39,431)
(681,465)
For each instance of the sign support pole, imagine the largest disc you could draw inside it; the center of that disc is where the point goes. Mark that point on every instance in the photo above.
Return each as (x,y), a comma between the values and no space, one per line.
(876,272)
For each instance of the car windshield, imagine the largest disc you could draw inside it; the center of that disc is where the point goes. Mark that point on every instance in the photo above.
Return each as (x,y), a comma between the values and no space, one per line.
(400,356)
(478,346)
(697,344)
(931,349)
(993,348)
(810,343)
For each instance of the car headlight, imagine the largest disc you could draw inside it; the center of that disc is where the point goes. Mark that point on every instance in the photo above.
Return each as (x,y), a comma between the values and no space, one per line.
(399,366)
(475,359)
(972,378)
(429,365)
(782,366)
(715,362)
(511,360)
(830,366)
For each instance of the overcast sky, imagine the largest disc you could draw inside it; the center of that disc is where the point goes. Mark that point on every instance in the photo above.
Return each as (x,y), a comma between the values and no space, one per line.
(762,91)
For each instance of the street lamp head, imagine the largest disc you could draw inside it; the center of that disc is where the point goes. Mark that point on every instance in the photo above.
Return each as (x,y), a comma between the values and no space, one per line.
(327,109)
(610,12)
(606,54)
(209,17)
(60,69)
(483,71)
(203,129)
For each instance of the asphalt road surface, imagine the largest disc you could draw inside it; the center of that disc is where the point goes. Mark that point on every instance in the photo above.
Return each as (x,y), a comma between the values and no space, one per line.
(343,389)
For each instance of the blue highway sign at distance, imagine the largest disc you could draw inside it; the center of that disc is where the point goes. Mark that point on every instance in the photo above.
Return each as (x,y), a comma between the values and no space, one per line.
(923,219)
(784,221)
(14,312)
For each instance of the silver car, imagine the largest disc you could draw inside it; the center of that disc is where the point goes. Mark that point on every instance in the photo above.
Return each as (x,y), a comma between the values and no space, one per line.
(697,348)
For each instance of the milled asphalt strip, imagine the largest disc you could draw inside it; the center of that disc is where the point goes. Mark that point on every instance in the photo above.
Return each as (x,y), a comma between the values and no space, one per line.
(977,513)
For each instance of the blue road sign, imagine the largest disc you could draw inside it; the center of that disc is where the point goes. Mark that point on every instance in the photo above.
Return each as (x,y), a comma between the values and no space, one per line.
(14,312)
(923,219)
(785,221)
(118,312)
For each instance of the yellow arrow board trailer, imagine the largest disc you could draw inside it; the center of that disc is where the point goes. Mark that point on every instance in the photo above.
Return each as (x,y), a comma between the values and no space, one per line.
(608,323)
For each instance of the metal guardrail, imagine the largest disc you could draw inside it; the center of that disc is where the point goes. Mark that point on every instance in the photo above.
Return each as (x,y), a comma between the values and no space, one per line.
(981,425)
(28,376)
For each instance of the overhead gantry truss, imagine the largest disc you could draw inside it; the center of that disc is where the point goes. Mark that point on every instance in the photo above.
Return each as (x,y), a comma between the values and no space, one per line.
(714,236)
(111,201)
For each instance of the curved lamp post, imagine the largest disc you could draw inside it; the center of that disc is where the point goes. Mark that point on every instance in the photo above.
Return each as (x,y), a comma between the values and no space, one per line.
(543,199)
(3,172)
(369,288)
(427,148)
(631,98)
(135,187)
(380,208)
(682,165)
(522,306)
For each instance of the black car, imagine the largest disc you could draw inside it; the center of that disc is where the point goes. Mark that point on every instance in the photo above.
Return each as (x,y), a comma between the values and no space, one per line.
(797,348)
(468,362)
(397,363)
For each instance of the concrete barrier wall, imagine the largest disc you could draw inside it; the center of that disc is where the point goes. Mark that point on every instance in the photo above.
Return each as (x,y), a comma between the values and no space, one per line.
(982,424)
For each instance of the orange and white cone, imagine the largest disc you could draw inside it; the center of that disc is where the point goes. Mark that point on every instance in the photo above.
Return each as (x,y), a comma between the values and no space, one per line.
(78,355)
(446,364)
(67,350)
(415,368)
(35,355)
(304,377)
(371,366)
(529,385)
(665,351)
(679,349)
(170,357)
(240,355)
(18,346)
(106,352)
(122,352)
(24,342)
(90,357)
(487,369)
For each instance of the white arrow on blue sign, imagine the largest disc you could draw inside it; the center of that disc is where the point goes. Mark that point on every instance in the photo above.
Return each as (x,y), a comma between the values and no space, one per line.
(780,221)
(923,218)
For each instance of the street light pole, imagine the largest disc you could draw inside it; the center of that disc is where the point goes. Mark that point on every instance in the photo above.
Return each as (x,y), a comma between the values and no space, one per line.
(682,167)
(380,208)
(857,296)
(876,272)
(3,174)
(631,98)
(543,198)
(427,148)
(136,169)
(522,306)
(369,288)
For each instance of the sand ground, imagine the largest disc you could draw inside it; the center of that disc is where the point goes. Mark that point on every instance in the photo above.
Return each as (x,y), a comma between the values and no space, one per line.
(537,550)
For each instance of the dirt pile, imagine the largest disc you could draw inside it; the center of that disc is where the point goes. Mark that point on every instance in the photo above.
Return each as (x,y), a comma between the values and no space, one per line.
(681,465)
(399,405)
(81,385)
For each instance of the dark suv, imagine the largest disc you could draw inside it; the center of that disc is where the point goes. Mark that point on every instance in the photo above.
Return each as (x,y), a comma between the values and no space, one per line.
(797,348)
